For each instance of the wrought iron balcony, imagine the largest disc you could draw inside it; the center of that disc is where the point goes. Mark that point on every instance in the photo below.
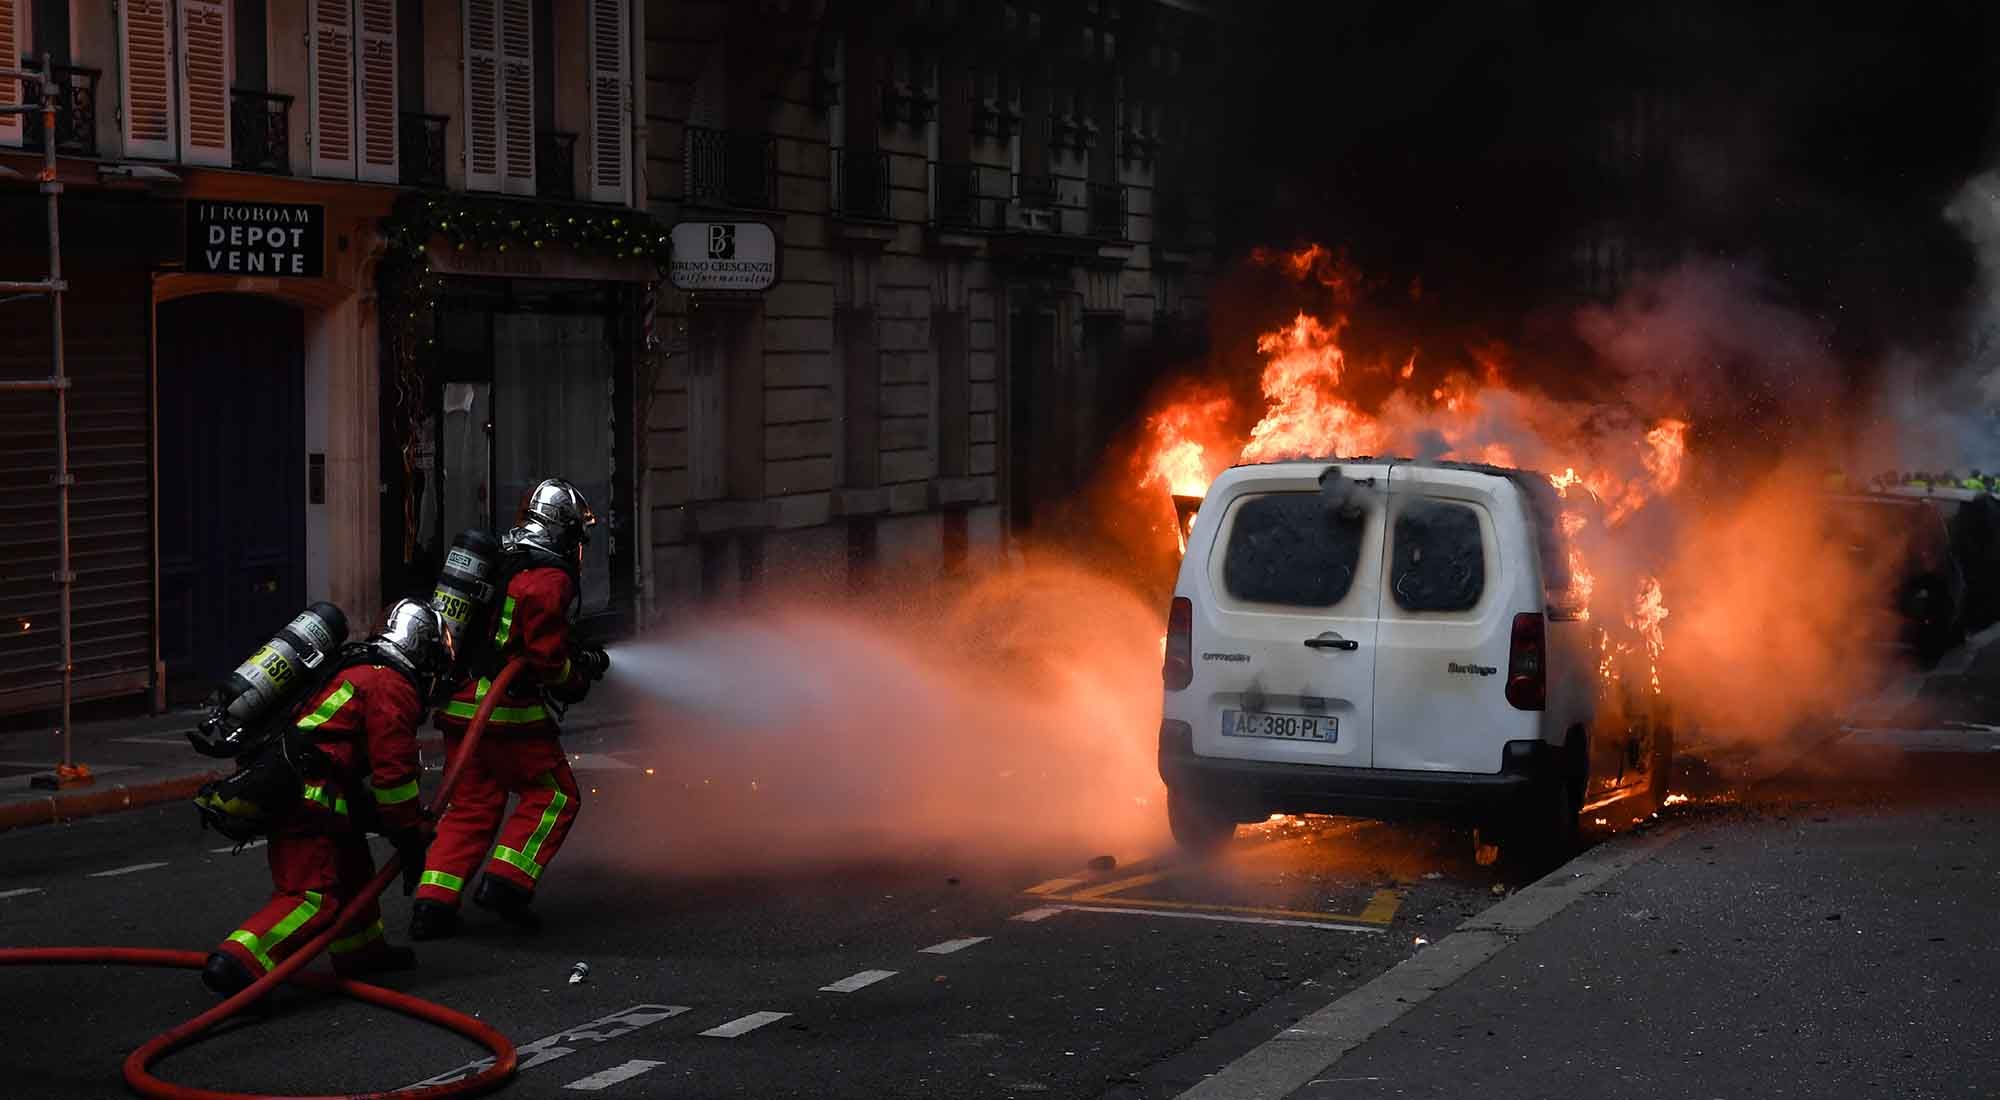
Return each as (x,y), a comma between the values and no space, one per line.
(76,111)
(731,168)
(555,164)
(261,131)
(960,203)
(861,183)
(420,146)
(1105,210)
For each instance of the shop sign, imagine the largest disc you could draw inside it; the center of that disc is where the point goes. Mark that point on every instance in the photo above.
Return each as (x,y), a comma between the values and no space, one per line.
(723,256)
(227,237)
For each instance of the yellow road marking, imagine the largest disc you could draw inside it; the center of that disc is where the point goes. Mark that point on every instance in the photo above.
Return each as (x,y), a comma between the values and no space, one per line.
(1381,908)
(1053,885)
(1119,886)
(1202,907)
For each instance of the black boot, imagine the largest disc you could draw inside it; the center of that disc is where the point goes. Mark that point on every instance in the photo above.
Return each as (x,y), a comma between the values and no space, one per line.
(224,976)
(509,901)
(433,920)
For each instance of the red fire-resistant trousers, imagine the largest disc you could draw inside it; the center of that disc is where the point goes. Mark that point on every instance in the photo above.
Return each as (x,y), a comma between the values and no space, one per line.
(315,869)
(531,766)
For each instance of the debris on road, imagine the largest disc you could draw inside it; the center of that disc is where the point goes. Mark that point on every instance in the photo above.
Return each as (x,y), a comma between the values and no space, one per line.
(1103,863)
(578,973)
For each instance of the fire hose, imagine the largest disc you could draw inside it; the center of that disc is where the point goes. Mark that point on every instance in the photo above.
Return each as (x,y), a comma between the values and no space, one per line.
(138,1065)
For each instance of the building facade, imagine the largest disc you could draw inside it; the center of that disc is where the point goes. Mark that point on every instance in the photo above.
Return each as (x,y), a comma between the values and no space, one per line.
(347,277)
(990,215)
(244,435)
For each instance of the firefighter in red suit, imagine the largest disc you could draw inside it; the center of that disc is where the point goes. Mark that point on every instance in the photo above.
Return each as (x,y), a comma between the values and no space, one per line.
(355,747)
(519,753)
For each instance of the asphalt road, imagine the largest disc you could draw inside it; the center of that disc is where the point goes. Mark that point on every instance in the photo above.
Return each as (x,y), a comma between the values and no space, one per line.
(1040,978)
(1824,930)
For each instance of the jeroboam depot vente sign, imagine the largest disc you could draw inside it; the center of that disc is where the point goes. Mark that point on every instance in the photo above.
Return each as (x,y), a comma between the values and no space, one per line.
(256,238)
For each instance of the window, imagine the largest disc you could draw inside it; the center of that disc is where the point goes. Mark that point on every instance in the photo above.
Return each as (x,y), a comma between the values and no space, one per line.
(1439,557)
(51,22)
(1290,548)
(252,53)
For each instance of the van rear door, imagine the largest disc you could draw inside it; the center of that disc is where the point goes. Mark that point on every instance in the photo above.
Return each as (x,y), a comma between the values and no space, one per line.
(1455,572)
(1285,620)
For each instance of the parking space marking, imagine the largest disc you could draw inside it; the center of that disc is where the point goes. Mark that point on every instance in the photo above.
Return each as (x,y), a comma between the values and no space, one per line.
(1381,909)
(605,1078)
(135,868)
(857,981)
(743,1025)
(22,892)
(1119,886)
(950,946)
(1031,915)
(562,1044)
(1226,918)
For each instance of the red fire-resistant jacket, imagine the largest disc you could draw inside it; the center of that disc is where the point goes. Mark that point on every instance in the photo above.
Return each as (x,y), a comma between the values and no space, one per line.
(365,723)
(533,622)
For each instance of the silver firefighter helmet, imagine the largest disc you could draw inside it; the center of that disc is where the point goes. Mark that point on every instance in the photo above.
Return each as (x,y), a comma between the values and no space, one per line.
(556,520)
(415,637)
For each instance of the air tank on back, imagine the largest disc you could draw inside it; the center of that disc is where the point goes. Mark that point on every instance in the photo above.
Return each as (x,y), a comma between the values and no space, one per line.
(270,681)
(464,585)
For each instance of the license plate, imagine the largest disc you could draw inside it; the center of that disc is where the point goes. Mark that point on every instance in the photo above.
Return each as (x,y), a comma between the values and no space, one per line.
(1280,727)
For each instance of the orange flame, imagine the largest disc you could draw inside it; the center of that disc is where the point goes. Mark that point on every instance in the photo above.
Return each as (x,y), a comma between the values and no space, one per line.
(1306,416)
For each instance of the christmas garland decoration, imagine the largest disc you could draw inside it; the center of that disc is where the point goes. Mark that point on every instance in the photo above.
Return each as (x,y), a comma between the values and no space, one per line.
(407,290)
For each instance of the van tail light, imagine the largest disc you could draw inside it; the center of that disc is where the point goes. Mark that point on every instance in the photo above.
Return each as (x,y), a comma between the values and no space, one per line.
(1528,663)
(1178,667)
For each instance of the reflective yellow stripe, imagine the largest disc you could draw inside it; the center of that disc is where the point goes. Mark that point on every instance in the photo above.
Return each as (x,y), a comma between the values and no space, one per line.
(438,878)
(556,804)
(505,716)
(260,946)
(506,629)
(335,802)
(358,940)
(328,707)
(389,796)
(513,858)
(528,859)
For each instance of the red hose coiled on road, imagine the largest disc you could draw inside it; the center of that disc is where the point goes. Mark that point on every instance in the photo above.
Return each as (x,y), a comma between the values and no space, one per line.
(138,1065)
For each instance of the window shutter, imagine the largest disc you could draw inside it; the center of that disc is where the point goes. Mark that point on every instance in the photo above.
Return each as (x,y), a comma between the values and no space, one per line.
(610,135)
(204,86)
(517,97)
(332,88)
(375,89)
(482,95)
(12,44)
(145,65)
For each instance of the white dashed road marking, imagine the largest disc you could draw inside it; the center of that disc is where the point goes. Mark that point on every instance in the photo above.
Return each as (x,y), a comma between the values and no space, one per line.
(128,870)
(23,892)
(743,1025)
(949,946)
(562,1044)
(857,981)
(604,1079)
(258,843)
(1043,913)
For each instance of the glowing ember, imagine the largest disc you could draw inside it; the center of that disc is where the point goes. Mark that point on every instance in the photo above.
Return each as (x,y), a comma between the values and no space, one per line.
(1675,799)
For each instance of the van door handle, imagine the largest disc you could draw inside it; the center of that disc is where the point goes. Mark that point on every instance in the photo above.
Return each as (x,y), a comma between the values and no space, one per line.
(1332,641)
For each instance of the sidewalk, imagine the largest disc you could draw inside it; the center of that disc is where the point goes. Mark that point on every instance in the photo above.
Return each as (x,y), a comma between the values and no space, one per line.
(144,760)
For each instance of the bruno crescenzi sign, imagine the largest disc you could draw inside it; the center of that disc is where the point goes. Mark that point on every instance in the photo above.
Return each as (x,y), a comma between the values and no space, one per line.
(256,238)
(723,256)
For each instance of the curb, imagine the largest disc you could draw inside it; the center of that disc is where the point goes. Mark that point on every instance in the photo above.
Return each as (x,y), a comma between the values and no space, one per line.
(90,802)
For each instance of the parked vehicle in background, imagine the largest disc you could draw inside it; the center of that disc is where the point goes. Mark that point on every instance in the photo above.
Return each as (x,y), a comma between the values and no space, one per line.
(1905,541)
(1386,638)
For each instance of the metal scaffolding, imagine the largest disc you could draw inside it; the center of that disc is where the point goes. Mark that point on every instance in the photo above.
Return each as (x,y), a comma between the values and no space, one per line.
(58,380)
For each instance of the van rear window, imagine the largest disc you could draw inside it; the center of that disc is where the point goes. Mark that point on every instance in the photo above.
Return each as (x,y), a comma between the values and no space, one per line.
(1440,561)
(1289,548)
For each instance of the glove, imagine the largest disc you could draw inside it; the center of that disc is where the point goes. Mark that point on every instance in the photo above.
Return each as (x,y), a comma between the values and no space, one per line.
(411,845)
(592,661)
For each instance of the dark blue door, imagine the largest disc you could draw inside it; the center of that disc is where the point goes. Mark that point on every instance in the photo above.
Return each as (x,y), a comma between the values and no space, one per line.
(231,400)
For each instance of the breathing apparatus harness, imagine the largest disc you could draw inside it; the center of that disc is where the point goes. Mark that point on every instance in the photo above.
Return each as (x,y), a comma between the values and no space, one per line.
(275,759)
